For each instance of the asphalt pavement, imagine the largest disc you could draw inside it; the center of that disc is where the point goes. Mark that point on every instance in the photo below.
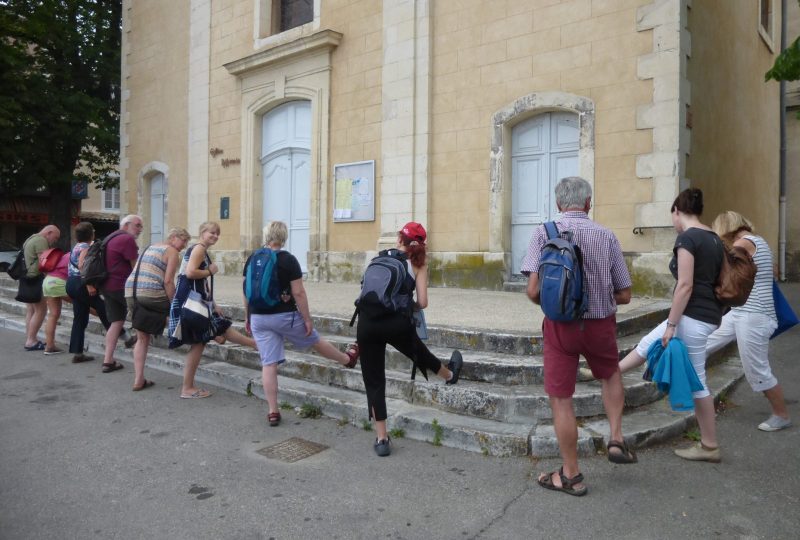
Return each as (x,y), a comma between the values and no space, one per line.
(81,456)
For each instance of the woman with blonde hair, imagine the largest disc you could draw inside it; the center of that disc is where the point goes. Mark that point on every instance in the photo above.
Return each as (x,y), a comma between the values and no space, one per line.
(149,290)
(752,324)
(195,274)
(271,325)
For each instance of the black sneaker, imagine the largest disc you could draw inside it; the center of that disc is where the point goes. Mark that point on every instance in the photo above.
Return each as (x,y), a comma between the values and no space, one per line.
(455,366)
(383,447)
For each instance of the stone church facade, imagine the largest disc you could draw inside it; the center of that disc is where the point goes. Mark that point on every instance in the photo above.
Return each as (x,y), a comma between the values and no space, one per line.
(347,118)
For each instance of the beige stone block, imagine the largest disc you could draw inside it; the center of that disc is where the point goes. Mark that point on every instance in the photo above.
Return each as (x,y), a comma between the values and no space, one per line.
(371,150)
(523,87)
(660,63)
(478,96)
(653,214)
(482,55)
(614,216)
(453,41)
(616,167)
(661,164)
(519,24)
(622,94)
(614,120)
(562,59)
(624,143)
(561,14)
(364,62)
(519,68)
(444,182)
(455,82)
(603,7)
(444,162)
(611,73)
(372,77)
(473,139)
(477,180)
(444,102)
(610,49)
(445,63)
(534,43)
(598,28)
(624,191)
(443,142)
(373,41)
(338,138)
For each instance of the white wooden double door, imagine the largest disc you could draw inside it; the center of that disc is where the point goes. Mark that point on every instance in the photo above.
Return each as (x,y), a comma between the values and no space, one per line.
(544,150)
(286,168)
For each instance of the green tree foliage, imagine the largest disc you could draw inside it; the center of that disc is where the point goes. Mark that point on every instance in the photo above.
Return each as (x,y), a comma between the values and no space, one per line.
(59,96)
(787,65)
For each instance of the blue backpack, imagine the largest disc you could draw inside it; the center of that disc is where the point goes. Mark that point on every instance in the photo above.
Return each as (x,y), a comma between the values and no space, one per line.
(261,286)
(562,293)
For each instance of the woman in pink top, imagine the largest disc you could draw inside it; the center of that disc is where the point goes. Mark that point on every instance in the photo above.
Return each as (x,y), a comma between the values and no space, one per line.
(54,289)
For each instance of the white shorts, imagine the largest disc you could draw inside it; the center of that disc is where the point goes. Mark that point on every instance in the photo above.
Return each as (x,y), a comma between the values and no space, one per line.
(751,332)
(269,331)
(694,334)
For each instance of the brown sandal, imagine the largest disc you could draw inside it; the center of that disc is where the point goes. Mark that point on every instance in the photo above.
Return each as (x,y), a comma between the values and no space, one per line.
(352,352)
(567,484)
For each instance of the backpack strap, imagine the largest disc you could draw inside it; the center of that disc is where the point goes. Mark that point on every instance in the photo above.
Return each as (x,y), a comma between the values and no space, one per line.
(136,275)
(551,229)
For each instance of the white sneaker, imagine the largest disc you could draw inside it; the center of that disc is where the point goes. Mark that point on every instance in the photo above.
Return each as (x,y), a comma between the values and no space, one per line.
(774,423)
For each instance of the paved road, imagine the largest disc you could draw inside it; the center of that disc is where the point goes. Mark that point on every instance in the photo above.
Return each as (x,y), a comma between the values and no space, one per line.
(81,456)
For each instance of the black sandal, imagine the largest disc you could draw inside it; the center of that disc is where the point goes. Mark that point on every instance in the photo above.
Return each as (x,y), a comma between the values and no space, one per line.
(625,455)
(108,368)
(566,483)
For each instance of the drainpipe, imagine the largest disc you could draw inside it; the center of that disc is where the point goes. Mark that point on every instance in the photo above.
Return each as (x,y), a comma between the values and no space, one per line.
(782,165)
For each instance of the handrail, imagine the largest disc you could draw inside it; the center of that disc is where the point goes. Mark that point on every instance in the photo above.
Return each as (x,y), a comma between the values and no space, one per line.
(640,230)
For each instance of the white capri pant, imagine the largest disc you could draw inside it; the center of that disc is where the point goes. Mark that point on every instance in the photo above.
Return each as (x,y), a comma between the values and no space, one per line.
(694,334)
(751,332)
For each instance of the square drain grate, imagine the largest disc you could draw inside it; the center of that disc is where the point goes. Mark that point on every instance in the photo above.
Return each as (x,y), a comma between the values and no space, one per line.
(292,450)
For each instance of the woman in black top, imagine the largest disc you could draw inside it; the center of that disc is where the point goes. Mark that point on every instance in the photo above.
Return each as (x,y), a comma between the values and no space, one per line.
(398,330)
(695,312)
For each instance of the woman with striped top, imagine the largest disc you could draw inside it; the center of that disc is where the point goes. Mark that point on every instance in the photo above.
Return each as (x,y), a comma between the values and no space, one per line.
(154,277)
(752,324)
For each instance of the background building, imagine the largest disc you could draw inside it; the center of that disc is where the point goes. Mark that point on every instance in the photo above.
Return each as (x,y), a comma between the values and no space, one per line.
(468,112)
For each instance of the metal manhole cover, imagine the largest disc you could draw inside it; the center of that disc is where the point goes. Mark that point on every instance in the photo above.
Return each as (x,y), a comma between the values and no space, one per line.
(292,450)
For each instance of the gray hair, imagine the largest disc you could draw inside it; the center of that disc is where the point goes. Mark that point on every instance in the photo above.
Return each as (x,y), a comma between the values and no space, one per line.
(275,232)
(127,219)
(572,192)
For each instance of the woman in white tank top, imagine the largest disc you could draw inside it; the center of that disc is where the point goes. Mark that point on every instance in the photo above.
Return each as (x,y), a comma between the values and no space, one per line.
(752,324)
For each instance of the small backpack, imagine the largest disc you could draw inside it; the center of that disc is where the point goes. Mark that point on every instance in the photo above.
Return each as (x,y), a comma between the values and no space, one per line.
(94,271)
(18,268)
(262,288)
(736,277)
(48,259)
(386,287)
(562,292)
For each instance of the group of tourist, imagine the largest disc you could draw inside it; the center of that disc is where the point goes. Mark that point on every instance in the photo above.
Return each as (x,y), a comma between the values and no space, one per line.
(695,317)
(145,284)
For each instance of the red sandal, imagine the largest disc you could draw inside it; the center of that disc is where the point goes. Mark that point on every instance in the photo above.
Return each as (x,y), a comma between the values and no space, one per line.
(352,352)
(274,418)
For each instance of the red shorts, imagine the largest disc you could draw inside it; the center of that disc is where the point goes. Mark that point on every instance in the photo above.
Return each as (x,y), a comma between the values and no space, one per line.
(595,339)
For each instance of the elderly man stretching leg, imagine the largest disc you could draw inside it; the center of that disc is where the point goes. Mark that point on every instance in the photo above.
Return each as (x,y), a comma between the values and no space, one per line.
(594,336)
(121,255)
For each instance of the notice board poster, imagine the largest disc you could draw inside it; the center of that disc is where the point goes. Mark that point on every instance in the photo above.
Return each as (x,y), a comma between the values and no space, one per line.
(354,191)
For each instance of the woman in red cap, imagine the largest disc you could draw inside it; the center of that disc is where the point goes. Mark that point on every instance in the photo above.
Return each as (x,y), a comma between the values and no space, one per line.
(377,327)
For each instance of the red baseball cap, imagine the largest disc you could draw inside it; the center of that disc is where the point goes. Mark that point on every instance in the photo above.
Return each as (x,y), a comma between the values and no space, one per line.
(414,231)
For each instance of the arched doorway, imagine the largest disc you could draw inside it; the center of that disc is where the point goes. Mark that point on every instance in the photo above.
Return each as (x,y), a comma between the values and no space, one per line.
(286,167)
(544,149)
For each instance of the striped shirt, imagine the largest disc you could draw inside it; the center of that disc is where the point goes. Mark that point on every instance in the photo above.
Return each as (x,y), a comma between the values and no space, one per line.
(151,274)
(603,262)
(760,299)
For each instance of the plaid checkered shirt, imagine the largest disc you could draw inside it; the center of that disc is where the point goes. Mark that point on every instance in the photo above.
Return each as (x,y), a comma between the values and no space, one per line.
(603,262)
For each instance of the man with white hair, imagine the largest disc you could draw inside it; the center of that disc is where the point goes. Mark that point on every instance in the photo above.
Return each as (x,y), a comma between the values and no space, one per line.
(121,255)
(30,286)
(593,335)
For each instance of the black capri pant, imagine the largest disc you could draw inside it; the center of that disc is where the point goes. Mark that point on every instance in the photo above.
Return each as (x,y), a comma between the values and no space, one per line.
(373,334)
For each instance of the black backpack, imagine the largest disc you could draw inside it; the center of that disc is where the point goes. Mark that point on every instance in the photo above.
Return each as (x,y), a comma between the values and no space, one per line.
(18,268)
(94,271)
(386,287)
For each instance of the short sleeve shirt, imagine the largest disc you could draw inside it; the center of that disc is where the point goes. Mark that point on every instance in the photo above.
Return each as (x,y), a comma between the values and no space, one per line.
(603,262)
(120,252)
(33,247)
(288,270)
(706,247)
